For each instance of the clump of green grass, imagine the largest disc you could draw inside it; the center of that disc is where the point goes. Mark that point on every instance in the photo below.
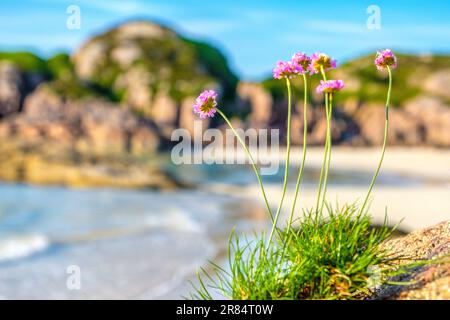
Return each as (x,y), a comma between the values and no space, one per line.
(335,255)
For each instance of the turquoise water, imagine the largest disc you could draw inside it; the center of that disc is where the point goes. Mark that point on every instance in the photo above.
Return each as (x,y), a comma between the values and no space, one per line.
(126,243)
(243,175)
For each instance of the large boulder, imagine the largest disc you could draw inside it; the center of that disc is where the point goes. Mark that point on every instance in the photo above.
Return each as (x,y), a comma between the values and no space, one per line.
(430,279)
(434,118)
(91,125)
(424,120)
(260,102)
(11,88)
(152,69)
(438,83)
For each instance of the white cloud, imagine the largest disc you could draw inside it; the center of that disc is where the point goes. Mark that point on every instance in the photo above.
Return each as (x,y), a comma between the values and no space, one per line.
(333,27)
(129,7)
(208,26)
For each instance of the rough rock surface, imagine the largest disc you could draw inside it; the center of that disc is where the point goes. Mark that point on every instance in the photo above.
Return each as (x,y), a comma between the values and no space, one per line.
(11,89)
(124,91)
(260,102)
(152,69)
(55,164)
(423,120)
(434,119)
(438,83)
(97,126)
(79,143)
(431,281)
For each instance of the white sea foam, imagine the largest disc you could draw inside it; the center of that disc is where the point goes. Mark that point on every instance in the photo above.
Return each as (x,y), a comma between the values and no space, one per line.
(176,220)
(22,246)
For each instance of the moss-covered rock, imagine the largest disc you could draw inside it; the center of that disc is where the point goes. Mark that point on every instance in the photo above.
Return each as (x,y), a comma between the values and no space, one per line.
(26,61)
(138,61)
(41,162)
(364,83)
(430,281)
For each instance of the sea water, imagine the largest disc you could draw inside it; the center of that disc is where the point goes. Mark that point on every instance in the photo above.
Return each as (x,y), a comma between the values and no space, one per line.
(125,244)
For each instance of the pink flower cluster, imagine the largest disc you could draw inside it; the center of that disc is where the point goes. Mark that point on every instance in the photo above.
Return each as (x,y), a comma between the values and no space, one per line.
(330,86)
(385,59)
(284,69)
(319,61)
(299,64)
(206,103)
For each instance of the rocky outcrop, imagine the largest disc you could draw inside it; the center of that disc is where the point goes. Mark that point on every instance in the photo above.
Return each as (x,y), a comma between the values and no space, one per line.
(152,69)
(431,280)
(259,101)
(403,128)
(119,96)
(424,120)
(11,89)
(93,125)
(438,83)
(266,112)
(125,91)
(50,163)
(433,116)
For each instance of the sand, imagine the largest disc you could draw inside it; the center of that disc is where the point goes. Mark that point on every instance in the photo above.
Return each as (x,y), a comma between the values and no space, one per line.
(419,205)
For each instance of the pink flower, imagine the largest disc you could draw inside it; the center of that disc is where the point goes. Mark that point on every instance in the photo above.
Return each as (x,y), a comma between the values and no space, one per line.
(319,60)
(301,62)
(206,103)
(330,86)
(385,59)
(285,69)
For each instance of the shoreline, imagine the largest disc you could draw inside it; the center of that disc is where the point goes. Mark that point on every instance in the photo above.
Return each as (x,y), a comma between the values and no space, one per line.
(425,162)
(419,206)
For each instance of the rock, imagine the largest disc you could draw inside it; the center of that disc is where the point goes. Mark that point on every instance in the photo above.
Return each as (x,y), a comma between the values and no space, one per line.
(342,126)
(297,124)
(434,117)
(89,58)
(318,131)
(126,54)
(260,102)
(188,119)
(136,83)
(144,141)
(164,111)
(42,106)
(404,129)
(151,69)
(438,83)
(350,106)
(142,29)
(432,281)
(92,126)
(11,89)
(53,164)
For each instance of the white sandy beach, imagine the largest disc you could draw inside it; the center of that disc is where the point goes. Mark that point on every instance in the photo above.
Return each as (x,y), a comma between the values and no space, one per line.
(418,205)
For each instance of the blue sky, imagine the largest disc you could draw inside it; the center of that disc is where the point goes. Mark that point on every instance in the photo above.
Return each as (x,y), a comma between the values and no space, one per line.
(253,34)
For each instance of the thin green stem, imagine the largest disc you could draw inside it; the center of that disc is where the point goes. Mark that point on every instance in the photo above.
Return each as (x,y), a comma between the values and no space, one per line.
(252,161)
(386,127)
(322,170)
(305,135)
(302,165)
(286,169)
(329,117)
